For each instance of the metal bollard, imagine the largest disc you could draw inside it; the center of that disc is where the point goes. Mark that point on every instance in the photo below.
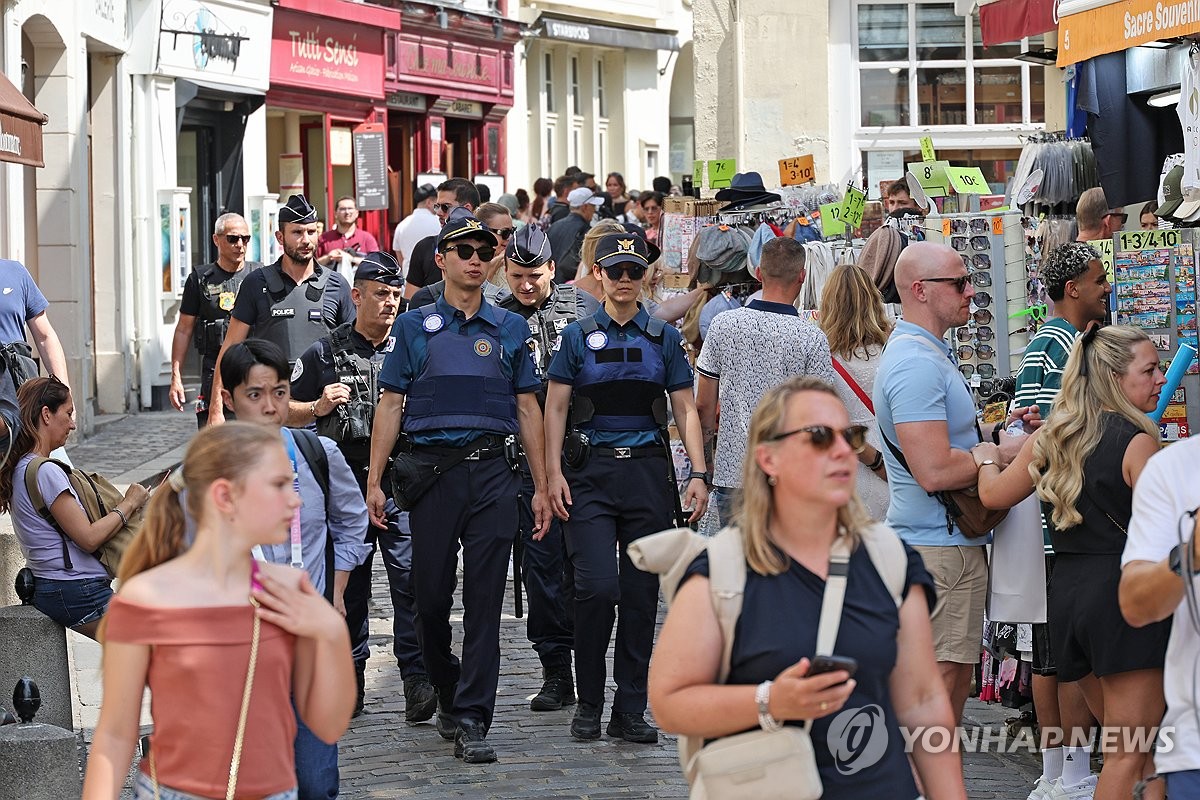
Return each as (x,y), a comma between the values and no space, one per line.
(33,644)
(41,762)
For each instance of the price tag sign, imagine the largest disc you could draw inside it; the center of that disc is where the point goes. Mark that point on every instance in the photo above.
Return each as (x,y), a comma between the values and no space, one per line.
(968,180)
(927,153)
(852,207)
(697,173)
(720,172)
(831,220)
(795,171)
(1105,248)
(932,176)
(1148,240)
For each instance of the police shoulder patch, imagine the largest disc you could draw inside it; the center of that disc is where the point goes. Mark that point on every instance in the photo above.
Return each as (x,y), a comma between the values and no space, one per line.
(596,340)
(297,370)
(433,323)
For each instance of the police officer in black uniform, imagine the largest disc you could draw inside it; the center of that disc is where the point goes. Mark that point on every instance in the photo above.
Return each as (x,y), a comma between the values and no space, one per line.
(291,303)
(335,386)
(614,371)
(208,295)
(548,308)
(463,376)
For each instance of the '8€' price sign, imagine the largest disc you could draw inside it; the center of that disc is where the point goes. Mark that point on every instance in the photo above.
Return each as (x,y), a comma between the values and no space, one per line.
(852,206)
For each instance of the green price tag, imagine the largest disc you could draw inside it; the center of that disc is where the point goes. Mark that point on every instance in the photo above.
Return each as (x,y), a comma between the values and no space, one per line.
(1105,248)
(697,174)
(927,153)
(720,172)
(1148,240)
(968,180)
(932,176)
(852,207)
(831,220)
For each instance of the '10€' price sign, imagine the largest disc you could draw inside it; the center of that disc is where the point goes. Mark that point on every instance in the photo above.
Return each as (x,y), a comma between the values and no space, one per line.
(795,171)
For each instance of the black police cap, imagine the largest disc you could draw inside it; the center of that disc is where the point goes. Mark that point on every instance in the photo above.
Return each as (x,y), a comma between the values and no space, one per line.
(298,209)
(379,266)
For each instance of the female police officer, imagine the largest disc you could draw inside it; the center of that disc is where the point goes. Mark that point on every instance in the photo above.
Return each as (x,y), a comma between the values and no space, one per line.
(613,371)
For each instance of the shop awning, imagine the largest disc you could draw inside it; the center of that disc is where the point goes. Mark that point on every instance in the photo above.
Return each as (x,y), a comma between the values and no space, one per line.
(1010,20)
(20,127)
(1089,28)
(586,32)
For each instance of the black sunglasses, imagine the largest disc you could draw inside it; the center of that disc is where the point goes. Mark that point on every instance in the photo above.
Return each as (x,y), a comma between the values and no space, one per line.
(234,238)
(1124,217)
(504,233)
(960,283)
(821,436)
(445,208)
(465,251)
(978,243)
(635,271)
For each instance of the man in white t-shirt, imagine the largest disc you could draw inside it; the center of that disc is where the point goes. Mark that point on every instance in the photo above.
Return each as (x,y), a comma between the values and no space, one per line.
(1161,530)
(421,223)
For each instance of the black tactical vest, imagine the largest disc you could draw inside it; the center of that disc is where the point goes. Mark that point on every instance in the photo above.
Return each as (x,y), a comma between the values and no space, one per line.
(216,303)
(296,317)
(348,422)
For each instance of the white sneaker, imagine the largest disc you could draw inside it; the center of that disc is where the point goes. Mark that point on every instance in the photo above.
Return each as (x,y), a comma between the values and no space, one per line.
(1043,789)
(1079,791)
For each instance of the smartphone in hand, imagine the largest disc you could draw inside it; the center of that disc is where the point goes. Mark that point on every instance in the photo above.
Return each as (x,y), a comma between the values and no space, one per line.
(823,664)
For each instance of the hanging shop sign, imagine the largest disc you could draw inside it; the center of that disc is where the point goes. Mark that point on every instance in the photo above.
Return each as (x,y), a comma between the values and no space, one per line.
(216,41)
(312,52)
(1119,26)
(20,127)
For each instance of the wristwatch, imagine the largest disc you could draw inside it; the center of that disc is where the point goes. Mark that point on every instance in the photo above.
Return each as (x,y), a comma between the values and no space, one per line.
(1175,560)
(762,696)
(984,463)
(701,475)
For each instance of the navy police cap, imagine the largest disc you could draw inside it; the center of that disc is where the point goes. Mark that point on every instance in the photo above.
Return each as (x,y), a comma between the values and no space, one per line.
(297,209)
(379,266)
(462,224)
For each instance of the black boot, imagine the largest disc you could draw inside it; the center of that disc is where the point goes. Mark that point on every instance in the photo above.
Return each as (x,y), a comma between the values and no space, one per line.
(631,727)
(585,726)
(558,689)
(360,676)
(420,700)
(470,743)
(445,723)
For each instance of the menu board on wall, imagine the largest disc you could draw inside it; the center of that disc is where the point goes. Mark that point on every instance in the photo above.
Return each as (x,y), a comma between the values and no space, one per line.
(370,170)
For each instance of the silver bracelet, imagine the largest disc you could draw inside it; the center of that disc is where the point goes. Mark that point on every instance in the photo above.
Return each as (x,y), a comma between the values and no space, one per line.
(121,514)
(762,696)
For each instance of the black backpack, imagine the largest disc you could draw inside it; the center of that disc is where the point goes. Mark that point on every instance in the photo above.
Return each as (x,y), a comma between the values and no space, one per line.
(310,447)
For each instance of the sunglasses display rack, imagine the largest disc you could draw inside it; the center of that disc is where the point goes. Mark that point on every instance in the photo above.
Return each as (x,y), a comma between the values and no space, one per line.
(991,246)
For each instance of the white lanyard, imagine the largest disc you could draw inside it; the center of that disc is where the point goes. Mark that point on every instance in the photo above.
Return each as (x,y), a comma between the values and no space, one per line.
(297,551)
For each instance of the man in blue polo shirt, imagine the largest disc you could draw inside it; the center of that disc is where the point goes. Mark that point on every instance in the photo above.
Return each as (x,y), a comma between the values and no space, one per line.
(465,379)
(925,409)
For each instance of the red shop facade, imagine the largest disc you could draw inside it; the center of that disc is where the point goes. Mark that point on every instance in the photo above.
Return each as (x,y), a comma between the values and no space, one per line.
(326,117)
(449,86)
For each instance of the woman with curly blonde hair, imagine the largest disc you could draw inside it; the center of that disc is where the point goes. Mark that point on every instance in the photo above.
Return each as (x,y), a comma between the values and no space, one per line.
(1084,464)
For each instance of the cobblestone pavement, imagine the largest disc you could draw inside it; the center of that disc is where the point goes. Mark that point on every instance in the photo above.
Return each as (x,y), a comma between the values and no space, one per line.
(383,757)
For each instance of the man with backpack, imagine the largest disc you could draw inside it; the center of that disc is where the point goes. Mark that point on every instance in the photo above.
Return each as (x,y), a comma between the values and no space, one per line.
(328,533)
(335,387)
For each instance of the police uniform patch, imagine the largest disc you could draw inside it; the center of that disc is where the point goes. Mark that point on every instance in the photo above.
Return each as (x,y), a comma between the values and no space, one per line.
(297,370)
(625,246)
(433,323)
(596,340)
(391,344)
(225,301)
(483,347)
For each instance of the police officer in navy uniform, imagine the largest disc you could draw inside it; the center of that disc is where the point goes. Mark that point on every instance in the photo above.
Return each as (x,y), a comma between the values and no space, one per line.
(548,308)
(463,376)
(208,295)
(335,387)
(612,482)
(290,303)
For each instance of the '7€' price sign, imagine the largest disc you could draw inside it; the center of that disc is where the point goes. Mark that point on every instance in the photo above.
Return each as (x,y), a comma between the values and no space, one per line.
(720,172)
(852,206)
(795,171)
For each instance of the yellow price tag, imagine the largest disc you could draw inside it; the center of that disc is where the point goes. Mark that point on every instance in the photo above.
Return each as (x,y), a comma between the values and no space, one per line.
(831,220)
(1105,248)
(1148,240)
(968,180)
(932,176)
(795,171)
(697,173)
(852,207)
(927,153)
(720,172)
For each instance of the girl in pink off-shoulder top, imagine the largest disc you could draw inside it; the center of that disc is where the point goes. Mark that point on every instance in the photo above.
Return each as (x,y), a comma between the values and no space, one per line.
(182,623)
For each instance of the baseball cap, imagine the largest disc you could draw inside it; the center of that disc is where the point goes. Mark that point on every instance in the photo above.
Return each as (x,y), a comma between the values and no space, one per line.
(462,224)
(622,248)
(529,247)
(582,196)
(379,266)
(1172,193)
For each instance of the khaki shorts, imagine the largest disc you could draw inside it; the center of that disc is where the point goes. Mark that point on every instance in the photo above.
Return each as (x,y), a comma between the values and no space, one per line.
(960,578)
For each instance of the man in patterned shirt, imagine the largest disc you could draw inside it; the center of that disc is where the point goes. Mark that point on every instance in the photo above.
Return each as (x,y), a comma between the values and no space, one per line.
(749,351)
(1075,280)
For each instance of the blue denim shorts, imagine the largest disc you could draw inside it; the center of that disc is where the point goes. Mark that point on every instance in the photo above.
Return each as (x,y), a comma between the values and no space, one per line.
(72,603)
(143,789)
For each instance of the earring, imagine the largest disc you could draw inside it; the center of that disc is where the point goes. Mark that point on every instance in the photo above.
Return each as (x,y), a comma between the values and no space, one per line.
(772,480)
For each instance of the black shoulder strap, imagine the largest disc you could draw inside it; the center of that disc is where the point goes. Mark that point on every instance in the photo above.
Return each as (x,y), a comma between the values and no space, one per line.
(655,328)
(275,285)
(309,445)
(340,340)
(589,324)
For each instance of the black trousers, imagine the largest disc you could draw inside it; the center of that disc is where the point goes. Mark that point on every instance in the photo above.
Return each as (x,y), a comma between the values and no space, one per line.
(617,501)
(549,586)
(474,504)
